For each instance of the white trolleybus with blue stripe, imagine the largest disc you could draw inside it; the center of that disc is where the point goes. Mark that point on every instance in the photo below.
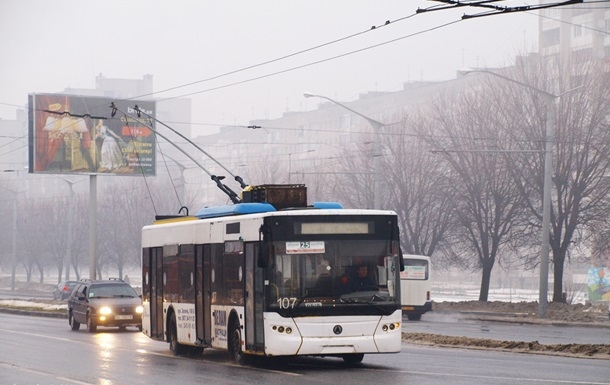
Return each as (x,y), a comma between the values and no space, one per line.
(271,276)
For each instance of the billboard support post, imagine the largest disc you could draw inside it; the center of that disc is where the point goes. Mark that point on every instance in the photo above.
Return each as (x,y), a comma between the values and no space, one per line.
(92,225)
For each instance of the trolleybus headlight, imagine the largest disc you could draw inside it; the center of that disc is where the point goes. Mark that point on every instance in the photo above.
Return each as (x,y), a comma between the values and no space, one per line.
(280,329)
(105,310)
(384,328)
(392,326)
(139,309)
(288,330)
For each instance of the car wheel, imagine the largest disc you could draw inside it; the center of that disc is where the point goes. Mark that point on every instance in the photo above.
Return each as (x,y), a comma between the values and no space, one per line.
(73,323)
(353,359)
(91,326)
(176,347)
(235,344)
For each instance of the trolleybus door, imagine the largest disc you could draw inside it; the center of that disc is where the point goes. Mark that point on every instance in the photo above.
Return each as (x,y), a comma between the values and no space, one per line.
(202,304)
(254,301)
(156,293)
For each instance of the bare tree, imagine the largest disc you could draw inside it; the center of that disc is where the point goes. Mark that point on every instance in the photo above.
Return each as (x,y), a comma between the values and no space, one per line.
(355,174)
(56,235)
(416,187)
(33,229)
(581,166)
(486,205)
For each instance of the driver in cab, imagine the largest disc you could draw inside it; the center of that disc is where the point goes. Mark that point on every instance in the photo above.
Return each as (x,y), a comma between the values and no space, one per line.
(362,281)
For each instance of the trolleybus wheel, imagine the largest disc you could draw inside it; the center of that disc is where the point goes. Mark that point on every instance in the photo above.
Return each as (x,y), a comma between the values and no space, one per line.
(73,323)
(353,359)
(235,344)
(176,347)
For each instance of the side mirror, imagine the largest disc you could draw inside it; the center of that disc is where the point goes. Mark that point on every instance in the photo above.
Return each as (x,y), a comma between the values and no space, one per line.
(264,247)
(401,261)
(263,255)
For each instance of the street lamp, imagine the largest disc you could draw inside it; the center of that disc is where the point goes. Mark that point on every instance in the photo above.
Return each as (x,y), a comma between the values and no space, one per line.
(376,152)
(551,122)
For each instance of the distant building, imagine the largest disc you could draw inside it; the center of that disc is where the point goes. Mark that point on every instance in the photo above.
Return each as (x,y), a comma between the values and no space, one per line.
(580,29)
(306,145)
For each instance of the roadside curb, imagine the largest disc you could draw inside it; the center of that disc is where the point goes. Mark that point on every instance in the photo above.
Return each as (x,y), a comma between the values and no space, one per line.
(48,314)
(603,323)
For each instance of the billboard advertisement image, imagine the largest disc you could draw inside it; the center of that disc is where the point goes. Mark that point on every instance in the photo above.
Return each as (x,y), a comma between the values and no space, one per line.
(599,284)
(83,134)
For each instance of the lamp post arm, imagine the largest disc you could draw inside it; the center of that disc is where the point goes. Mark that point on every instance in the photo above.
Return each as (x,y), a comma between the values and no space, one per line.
(376,124)
(547,94)
(376,151)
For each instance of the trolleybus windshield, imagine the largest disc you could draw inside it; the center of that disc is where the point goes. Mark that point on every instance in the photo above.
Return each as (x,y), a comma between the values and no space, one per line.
(317,276)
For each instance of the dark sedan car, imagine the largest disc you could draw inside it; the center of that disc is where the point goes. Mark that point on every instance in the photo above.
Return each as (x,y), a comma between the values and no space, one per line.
(104,303)
(63,289)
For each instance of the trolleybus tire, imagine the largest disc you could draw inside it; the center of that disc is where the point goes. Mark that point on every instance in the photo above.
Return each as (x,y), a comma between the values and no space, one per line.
(177,348)
(353,359)
(74,325)
(235,344)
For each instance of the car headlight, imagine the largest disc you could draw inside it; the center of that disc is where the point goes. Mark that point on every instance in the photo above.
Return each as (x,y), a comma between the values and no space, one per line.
(139,309)
(105,310)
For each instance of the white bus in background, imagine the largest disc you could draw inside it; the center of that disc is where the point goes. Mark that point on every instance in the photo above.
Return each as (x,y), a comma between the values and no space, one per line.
(415,285)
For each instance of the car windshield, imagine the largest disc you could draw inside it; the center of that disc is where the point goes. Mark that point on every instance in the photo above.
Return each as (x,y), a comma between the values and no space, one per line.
(110,291)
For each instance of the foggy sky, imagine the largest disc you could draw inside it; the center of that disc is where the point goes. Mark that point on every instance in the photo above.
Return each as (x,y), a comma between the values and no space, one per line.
(50,45)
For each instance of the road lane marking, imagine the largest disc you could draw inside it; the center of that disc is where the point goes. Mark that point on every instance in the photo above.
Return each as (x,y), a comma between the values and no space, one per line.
(209,361)
(42,336)
(43,373)
(475,376)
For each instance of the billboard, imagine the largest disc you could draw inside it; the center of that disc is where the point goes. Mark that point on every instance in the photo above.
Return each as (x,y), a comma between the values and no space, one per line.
(599,284)
(83,134)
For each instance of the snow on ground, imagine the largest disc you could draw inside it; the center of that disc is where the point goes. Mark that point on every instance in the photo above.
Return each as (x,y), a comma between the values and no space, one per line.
(48,305)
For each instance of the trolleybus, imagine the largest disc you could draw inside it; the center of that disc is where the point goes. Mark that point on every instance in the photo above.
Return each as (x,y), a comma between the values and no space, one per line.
(256,279)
